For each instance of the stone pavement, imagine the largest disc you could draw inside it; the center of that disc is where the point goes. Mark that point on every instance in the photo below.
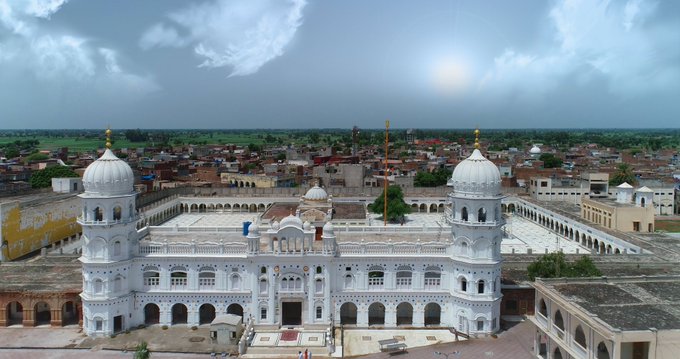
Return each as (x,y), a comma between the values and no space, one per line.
(83,354)
(514,343)
(365,341)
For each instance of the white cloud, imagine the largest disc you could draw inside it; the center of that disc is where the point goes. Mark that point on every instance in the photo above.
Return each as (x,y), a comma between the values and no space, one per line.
(58,58)
(242,35)
(593,40)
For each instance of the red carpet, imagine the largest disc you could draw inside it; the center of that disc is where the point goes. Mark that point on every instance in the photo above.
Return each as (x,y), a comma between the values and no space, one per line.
(289,335)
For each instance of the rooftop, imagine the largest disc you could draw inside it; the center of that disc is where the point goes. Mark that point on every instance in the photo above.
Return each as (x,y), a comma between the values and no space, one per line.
(42,274)
(625,303)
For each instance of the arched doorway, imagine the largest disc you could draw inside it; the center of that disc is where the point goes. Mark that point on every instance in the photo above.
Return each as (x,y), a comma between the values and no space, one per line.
(433,314)
(152,314)
(348,313)
(69,315)
(602,351)
(235,309)
(376,314)
(404,314)
(179,314)
(15,313)
(43,315)
(206,314)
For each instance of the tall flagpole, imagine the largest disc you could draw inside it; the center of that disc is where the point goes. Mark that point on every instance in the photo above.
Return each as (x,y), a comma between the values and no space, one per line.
(387,141)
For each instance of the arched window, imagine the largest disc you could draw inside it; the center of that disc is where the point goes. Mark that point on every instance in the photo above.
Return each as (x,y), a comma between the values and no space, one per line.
(98,324)
(463,284)
(235,282)
(178,277)
(432,278)
(480,287)
(318,285)
(602,351)
(206,277)
(404,277)
(319,270)
(319,312)
(580,337)
(263,270)
(151,277)
(116,248)
(117,212)
(263,286)
(376,277)
(464,248)
(98,214)
(559,321)
(542,308)
(98,286)
(349,281)
(464,214)
(481,215)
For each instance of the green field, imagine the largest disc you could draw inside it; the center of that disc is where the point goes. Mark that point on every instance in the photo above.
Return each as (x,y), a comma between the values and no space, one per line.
(668,226)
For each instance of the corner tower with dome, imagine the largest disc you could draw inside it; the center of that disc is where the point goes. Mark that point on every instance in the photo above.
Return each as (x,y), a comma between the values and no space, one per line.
(109,238)
(476,221)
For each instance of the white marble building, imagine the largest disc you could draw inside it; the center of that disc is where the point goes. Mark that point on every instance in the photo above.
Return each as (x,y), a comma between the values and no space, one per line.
(279,275)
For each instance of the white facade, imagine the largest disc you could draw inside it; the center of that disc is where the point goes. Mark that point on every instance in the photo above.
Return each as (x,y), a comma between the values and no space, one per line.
(281,276)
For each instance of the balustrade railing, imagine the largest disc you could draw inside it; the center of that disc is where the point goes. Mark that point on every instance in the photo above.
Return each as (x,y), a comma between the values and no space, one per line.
(376,283)
(206,282)
(177,283)
(152,281)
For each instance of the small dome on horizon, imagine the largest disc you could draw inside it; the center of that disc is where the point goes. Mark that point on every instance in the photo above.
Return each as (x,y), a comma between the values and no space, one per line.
(535,150)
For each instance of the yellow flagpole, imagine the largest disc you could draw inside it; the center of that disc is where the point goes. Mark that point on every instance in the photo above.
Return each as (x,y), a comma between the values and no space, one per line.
(387,141)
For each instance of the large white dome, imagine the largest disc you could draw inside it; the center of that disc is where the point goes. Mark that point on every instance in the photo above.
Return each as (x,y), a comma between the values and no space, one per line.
(316,193)
(108,176)
(476,176)
(535,150)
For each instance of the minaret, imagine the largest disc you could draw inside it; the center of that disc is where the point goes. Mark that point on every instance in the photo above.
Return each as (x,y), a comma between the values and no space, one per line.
(476,223)
(109,237)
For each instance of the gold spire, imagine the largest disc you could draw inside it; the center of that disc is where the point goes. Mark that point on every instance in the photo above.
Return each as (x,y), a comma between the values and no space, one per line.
(477,138)
(108,138)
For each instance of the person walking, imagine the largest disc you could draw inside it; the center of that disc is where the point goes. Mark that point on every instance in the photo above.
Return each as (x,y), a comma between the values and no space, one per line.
(306,354)
(300,355)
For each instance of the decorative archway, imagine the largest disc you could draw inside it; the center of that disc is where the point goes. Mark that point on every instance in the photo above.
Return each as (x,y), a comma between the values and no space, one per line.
(43,314)
(14,314)
(376,314)
(152,314)
(433,314)
(235,309)
(206,314)
(348,313)
(69,314)
(179,314)
(404,314)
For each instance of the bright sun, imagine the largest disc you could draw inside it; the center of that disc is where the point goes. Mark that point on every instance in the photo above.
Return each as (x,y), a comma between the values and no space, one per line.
(450,76)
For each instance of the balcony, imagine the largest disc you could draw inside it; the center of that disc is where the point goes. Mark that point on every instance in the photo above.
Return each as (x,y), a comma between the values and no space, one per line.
(403,283)
(376,283)
(432,283)
(152,281)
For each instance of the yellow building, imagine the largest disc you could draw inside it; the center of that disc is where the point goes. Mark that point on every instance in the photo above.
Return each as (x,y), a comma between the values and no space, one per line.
(32,222)
(632,211)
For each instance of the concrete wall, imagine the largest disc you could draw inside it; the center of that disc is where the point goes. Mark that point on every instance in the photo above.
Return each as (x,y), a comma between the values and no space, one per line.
(28,228)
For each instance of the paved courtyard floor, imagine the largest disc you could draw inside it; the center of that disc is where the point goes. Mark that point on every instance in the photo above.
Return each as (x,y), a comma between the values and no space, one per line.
(365,341)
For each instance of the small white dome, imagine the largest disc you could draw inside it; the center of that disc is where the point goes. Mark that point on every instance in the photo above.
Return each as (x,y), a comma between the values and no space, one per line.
(275,225)
(108,176)
(476,176)
(291,220)
(316,193)
(535,150)
(624,185)
(253,228)
(307,226)
(328,228)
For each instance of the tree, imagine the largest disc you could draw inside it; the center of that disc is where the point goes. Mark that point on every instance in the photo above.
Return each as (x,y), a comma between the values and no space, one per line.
(554,265)
(550,161)
(43,178)
(37,156)
(435,178)
(396,207)
(623,174)
(141,351)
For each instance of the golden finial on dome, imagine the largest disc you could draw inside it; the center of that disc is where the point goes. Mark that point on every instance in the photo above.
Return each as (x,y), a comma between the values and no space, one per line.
(477,138)
(108,138)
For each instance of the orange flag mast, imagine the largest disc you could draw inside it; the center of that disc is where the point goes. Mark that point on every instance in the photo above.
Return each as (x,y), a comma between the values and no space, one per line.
(387,142)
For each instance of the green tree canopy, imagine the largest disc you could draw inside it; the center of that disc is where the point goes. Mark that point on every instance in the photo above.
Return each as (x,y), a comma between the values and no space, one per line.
(554,265)
(43,178)
(396,207)
(438,177)
(623,174)
(550,160)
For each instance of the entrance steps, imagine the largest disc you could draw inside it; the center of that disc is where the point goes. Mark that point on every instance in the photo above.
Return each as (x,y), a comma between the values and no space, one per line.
(280,352)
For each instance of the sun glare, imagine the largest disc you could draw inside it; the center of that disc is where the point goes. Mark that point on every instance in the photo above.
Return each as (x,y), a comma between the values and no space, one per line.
(450,76)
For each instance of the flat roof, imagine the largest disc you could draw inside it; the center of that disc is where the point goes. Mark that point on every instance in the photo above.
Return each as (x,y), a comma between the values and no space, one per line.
(42,274)
(625,303)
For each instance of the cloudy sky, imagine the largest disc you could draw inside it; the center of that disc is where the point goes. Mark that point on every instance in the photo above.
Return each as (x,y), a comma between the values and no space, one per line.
(315,64)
